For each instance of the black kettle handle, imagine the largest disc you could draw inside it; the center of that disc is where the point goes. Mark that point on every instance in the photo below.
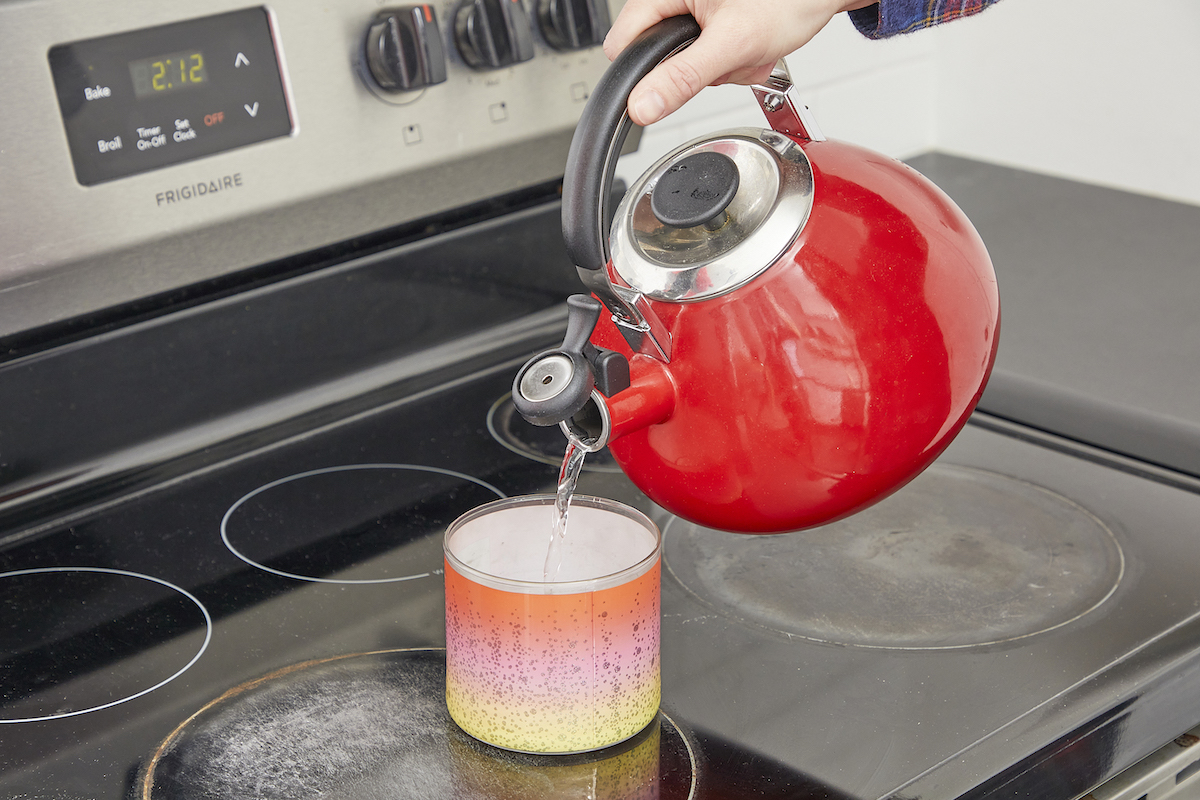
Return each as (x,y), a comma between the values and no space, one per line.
(600,136)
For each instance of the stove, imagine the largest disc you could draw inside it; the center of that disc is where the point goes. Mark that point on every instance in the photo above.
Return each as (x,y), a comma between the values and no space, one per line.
(224,481)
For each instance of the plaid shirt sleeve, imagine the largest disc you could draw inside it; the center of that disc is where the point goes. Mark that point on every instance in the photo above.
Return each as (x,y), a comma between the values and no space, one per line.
(890,17)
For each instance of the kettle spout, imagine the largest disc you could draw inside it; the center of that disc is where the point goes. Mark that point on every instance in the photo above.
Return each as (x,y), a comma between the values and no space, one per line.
(649,400)
(586,390)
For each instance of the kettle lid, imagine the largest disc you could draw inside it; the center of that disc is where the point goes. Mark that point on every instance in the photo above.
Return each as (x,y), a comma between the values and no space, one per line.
(712,215)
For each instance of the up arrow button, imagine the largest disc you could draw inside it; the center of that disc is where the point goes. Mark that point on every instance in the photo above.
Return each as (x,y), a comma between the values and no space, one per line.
(241,60)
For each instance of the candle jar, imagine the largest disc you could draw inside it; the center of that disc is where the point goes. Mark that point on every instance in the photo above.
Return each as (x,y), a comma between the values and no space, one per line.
(561,663)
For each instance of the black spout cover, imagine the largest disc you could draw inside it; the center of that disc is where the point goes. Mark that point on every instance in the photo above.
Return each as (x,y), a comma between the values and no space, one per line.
(563,405)
(566,373)
(609,368)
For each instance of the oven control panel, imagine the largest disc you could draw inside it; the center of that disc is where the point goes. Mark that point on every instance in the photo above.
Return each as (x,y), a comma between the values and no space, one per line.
(145,147)
(137,101)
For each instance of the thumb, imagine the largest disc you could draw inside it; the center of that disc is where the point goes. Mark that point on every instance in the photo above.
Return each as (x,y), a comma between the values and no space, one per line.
(675,81)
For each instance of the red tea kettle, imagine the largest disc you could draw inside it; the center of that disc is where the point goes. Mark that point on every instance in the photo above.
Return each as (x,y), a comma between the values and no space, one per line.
(797,328)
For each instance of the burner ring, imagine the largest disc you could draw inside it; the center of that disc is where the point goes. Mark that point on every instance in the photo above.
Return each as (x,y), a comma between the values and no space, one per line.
(959,558)
(376,724)
(227,539)
(208,622)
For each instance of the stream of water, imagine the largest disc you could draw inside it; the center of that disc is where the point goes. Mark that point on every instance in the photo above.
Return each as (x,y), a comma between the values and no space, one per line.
(568,476)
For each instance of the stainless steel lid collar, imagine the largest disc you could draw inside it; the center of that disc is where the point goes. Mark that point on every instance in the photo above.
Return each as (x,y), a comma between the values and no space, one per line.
(769,209)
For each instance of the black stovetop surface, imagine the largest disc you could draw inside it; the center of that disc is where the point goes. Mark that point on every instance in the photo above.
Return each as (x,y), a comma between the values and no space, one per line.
(191,547)
(816,716)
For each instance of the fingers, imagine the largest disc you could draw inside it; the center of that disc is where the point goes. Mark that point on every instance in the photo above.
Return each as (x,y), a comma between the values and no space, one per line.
(719,55)
(637,17)
(740,42)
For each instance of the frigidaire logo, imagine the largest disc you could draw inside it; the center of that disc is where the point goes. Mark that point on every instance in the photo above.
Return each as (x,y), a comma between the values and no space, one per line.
(222,184)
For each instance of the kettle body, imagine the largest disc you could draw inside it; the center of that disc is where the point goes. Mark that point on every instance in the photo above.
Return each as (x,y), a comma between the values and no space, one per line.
(833,377)
(800,348)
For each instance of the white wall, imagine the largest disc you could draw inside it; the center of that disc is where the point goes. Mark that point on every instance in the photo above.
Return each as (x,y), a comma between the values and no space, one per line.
(1100,91)
(1103,91)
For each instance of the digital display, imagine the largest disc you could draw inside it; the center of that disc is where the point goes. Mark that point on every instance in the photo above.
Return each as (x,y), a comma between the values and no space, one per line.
(169,73)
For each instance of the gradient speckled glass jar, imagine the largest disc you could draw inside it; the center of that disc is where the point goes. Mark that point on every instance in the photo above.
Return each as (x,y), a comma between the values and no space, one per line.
(561,666)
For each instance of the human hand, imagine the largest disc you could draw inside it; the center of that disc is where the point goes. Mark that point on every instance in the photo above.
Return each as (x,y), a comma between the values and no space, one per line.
(740,42)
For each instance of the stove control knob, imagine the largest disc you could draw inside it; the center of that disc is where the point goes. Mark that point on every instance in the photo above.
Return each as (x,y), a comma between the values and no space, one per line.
(404,49)
(493,33)
(573,24)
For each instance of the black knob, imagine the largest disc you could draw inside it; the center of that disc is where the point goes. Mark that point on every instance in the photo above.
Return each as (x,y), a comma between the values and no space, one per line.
(404,49)
(695,190)
(573,24)
(493,33)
